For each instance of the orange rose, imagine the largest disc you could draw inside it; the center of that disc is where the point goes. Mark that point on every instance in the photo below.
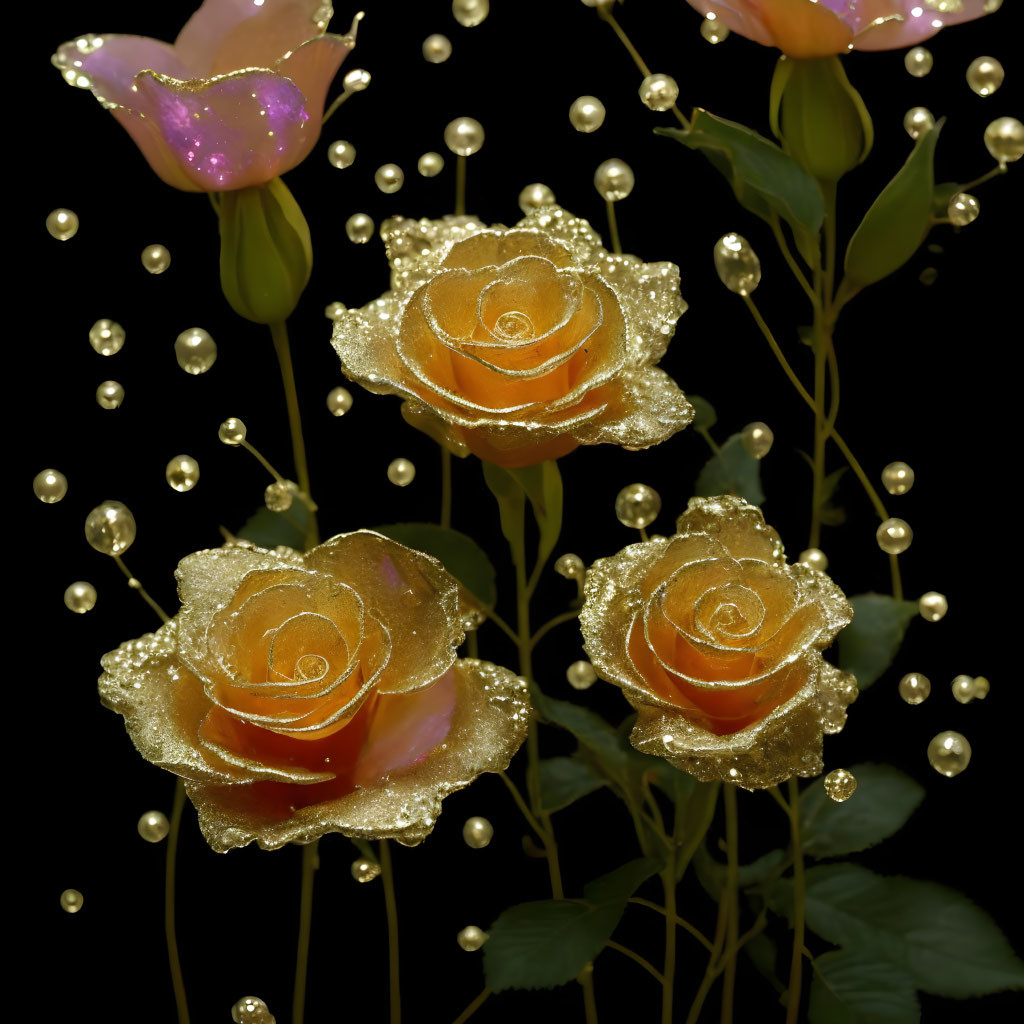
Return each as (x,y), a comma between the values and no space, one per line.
(717,643)
(304,694)
(518,345)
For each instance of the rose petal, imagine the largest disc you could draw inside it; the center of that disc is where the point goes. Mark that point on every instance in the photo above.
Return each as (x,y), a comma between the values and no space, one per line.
(492,249)
(740,528)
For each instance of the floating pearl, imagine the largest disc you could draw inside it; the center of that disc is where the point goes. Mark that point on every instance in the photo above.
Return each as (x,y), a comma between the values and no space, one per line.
(341,154)
(737,264)
(981,687)
(109,395)
(195,350)
(897,478)
(917,121)
(470,13)
(156,258)
(364,870)
(279,495)
(335,310)
(356,80)
(71,900)
(985,75)
(80,597)
(918,61)
(401,472)
(49,486)
(659,92)
(182,473)
(359,228)
(251,1010)
(933,605)
(430,164)
(928,276)
(62,224)
(570,566)
(963,688)
(110,528)
(389,178)
(477,832)
(894,536)
(464,136)
(153,826)
(586,114)
(339,401)
(915,687)
(581,675)
(534,196)
(814,558)
(713,29)
(637,506)
(106,337)
(1004,139)
(963,209)
(471,938)
(757,438)
(437,48)
(231,431)
(614,180)
(949,753)
(839,785)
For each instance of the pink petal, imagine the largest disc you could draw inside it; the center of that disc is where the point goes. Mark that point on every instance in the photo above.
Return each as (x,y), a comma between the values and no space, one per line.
(737,16)
(919,23)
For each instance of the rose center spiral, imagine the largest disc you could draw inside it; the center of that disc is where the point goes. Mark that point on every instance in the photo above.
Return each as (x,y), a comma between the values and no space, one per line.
(311,666)
(730,612)
(514,326)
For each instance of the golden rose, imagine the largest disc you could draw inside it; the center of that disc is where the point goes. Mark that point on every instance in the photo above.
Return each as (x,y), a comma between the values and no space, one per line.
(717,643)
(303,694)
(519,344)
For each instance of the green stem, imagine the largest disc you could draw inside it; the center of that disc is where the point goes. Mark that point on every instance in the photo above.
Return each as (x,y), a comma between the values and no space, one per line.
(573,613)
(637,958)
(473,1007)
(796,961)
(460,186)
(995,172)
(170,934)
(668,880)
(586,980)
(613,227)
(732,895)
(310,862)
(680,921)
(387,876)
(446,488)
(712,970)
(521,804)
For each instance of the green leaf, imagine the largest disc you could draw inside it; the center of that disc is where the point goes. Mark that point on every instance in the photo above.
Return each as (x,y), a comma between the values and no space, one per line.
(880,806)
(712,873)
(543,486)
(271,529)
(764,179)
(947,945)
(857,988)
(733,470)
(764,955)
(459,554)
(511,508)
(563,780)
(898,220)
(620,884)
(704,415)
(868,645)
(941,197)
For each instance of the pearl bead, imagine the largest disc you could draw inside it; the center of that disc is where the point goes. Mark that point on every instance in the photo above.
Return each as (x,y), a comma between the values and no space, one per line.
(949,753)
(637,506)
(356,80)
(534,196)
(471,938)
(894,536)
(359,228)
(570,566)
(813,558)
(195,350)
(757,438)
(279,495)
(153,826)
(918,61)
(231,431)
(477,833)
(335,310)
(71,900)
(341,154)
(364,870)
(897,478)
(581,675)
(430,164)
(614,180)
(472,620)
(437,48)
(62,224)
(933,606)
(339,401)
(985,75)
(1004,139)
(915,687)
(182,473)
(840,784)
(401,472)
(963,688)
(917,121)
(80,597)
(109,395)
(981,687)
(50,485)
(389,178)
(470,12)
(464,136)
(106,337)
(251,1010)
(963,209)
(110,528)
(156,258)
(713,29)
(737,264)
(659,92)
(586,114)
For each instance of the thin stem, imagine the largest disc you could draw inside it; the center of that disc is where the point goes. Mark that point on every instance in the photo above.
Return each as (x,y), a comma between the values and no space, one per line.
(796,962)
(586,980)
(446,488)
(779,799)
(265,463)
(473,1007)
(474,644)
(613,227)
(712,443)
(643,534)
(731,886)
(136,585)
(310,862)
(337,102)
(712,970)
(787,255)
(387,876)
(494,617)
(995,172)
(460,186)
(668,879)
(170,934)
(817,491)
(680,921)
(521,804)
(637,958)
(573,613)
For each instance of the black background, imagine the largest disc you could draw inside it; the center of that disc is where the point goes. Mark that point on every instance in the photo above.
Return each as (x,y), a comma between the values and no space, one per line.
(930,376)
